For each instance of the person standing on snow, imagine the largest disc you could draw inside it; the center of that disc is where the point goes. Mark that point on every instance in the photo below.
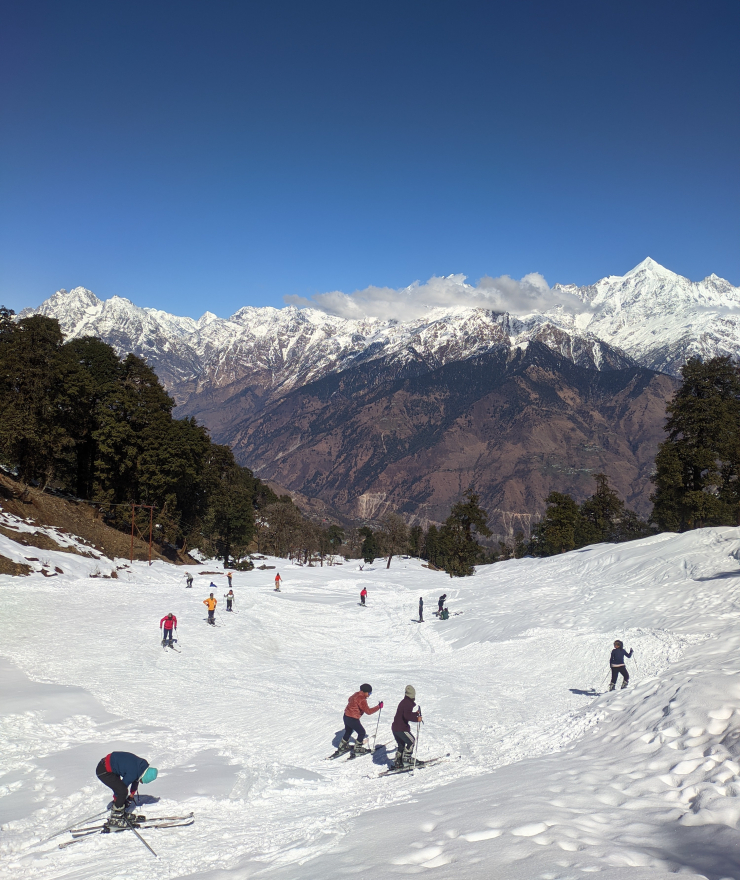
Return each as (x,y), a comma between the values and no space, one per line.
(357,707)
(228,578)
(363,595)
(441,602)
(118,771)
(188,580)
(211,603)
(401,730)
(168,623)
(421,610)
(278,581)
(229,600)
(616,661)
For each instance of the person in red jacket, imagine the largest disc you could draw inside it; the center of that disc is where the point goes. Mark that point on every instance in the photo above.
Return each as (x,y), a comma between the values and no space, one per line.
(357,707)
(363,595)
(168,623)
(401,730)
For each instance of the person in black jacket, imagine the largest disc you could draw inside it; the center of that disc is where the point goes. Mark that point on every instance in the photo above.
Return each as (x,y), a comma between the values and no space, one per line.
(616,661)
(401,730)
(118,771)
(421,609)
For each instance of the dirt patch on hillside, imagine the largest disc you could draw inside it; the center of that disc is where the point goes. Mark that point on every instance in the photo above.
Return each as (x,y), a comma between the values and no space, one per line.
(74,517)
(7,566)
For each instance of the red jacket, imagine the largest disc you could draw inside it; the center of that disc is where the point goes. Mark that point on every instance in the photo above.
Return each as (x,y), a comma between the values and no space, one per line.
(363,592)
(169,622)
(357,706)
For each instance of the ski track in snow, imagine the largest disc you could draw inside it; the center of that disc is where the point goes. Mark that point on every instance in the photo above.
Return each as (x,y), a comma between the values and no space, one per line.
(548,776)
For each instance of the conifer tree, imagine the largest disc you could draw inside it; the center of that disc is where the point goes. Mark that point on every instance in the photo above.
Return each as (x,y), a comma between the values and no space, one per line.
(460,550)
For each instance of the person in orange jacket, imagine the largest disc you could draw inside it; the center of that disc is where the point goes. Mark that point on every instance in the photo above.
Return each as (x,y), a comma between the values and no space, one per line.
(357,707)
(278,581)
(211,603)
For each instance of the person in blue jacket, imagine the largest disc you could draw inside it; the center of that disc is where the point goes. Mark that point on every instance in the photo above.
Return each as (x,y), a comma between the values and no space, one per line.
(616,661)
(119,771)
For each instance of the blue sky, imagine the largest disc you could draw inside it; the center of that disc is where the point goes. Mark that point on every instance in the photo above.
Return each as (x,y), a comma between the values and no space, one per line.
(199,156)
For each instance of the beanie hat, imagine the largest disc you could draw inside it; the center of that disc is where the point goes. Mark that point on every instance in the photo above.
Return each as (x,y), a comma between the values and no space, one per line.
(150,774)
(410,691)
(367,688)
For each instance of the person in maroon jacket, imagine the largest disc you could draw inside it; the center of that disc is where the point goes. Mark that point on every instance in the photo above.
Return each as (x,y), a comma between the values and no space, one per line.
(401,730)
(168,623)
(357,707)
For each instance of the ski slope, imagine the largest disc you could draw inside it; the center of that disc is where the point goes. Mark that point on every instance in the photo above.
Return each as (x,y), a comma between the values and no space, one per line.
(548,775)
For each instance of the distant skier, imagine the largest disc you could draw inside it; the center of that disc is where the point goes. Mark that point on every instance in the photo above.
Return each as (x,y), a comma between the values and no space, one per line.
(616,661)
(228,578)
(211,603)
(441,602)
(421,610)
(229,600)
(118,771)
(363,595)
(444,614)
(401,730)
(357,707)
(167,624)
(278,581)
(188,580)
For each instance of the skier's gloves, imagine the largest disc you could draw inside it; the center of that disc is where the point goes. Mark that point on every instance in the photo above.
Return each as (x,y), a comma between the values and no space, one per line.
(380,704)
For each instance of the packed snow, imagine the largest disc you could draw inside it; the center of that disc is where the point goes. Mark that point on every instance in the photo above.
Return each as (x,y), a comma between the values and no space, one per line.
(545,774)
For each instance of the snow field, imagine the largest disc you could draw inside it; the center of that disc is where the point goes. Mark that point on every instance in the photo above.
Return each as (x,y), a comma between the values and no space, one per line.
(547,776)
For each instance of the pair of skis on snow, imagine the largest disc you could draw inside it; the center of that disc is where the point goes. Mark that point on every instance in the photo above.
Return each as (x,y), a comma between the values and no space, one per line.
(391,771)
(81,829)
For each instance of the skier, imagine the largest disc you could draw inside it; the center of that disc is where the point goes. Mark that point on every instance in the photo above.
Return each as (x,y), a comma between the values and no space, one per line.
(229,600)
(168,623)
(356,708)
(211,603)
(421,610)
(401,730)
(228,578)
(444,614)
(188,580)
(278,581)
(363,595)
(441,602)
(616,661)
(118,771)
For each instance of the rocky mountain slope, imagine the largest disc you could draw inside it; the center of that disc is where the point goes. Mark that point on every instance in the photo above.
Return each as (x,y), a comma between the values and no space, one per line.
(363,449)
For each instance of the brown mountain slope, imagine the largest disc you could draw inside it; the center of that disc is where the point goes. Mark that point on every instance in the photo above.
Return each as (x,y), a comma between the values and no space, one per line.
(514,426)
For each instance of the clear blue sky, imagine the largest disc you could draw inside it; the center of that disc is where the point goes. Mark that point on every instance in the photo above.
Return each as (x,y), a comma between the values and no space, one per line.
(201,156)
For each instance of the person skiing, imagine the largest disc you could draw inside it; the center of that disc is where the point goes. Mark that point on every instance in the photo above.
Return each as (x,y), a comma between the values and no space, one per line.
(278,581)
(211,603)
(441,602)
(168,623)
(357,707)
(616,661)
(118,771)
(400,728)
(229,600)
(228,578)
(421,610)
(363,595)
(188,580)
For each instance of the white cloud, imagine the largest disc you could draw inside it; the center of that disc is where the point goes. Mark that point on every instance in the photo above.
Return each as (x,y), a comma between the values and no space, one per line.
(504,294)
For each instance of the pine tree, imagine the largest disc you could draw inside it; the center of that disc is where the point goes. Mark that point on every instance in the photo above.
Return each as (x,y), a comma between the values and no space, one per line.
(460,550)
(698,465)
(556,531)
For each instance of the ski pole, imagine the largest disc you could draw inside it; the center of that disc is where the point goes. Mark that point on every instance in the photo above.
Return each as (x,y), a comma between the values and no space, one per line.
(637,667)
(133,828)
(74,825)
(418,740)
(375,738)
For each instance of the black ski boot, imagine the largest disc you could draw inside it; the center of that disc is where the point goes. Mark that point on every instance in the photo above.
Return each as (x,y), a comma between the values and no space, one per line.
(362,748)
(343,746)
(398,763)
(611,686)
(117,818)
(624,685)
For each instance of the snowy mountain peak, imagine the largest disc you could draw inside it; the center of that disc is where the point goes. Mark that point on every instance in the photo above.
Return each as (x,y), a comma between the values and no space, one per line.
(649,265)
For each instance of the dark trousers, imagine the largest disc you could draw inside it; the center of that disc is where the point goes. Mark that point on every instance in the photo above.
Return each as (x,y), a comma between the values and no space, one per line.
(615,674)
(228,604)
(404,740)
(352,725)
(212,617)
(114,782)
(362,600)
(421,614)
(167,635)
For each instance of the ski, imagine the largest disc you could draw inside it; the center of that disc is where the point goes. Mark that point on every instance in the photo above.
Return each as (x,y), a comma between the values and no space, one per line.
(152,822)
(350,752)
(392,771)
(78,822)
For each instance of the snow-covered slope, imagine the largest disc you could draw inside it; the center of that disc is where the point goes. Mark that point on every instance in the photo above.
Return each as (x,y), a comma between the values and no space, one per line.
(547,776)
